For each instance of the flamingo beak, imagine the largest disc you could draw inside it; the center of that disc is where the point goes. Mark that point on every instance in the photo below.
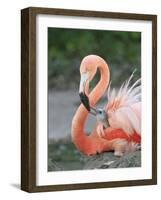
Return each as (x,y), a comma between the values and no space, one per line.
(83,97)
(82,86)
(85,100)
(82,94)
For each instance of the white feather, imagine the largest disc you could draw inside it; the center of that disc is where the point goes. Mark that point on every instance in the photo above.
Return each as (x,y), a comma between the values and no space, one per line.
(122,109)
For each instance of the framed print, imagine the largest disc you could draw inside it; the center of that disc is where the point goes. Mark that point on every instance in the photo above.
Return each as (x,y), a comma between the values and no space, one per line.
(88,99)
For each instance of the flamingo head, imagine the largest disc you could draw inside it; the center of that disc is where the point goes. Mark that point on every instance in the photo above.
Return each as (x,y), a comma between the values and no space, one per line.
(102,117)
(87,71)
(89,66)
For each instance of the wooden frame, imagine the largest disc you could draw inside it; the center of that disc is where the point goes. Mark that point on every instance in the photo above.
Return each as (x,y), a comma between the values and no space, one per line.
(28,98)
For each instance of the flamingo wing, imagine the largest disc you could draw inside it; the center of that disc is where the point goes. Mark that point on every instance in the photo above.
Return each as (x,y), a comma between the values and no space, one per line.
(124,107)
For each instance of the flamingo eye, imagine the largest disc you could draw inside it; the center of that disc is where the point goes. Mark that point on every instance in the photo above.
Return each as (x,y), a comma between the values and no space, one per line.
(100,111)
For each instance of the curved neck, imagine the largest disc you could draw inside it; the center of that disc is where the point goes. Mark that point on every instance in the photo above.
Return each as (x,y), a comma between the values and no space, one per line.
(78,135)
(101,87)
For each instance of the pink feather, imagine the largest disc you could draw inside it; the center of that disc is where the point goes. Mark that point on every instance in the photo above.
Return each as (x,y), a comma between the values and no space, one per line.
(124,107)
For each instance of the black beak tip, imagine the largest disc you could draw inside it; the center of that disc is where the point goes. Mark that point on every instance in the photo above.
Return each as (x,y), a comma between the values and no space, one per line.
(84,99)
(81,95)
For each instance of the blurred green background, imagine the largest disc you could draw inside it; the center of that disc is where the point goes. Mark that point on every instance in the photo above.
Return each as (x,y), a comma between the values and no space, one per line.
(66,49)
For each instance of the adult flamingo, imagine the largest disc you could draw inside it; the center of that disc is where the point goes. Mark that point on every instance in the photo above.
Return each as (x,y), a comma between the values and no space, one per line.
(118,125)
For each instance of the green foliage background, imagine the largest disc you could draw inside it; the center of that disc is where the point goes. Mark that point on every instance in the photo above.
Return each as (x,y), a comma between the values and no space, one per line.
(67,47)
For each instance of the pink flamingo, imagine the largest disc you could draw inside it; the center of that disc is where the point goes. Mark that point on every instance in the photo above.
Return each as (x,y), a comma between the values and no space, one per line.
(118,125)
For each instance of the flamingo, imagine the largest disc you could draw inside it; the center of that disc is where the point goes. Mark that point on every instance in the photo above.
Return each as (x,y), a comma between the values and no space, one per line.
(118,126)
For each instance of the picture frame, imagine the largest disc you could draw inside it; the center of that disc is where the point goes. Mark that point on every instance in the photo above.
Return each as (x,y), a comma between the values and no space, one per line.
(29,95)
